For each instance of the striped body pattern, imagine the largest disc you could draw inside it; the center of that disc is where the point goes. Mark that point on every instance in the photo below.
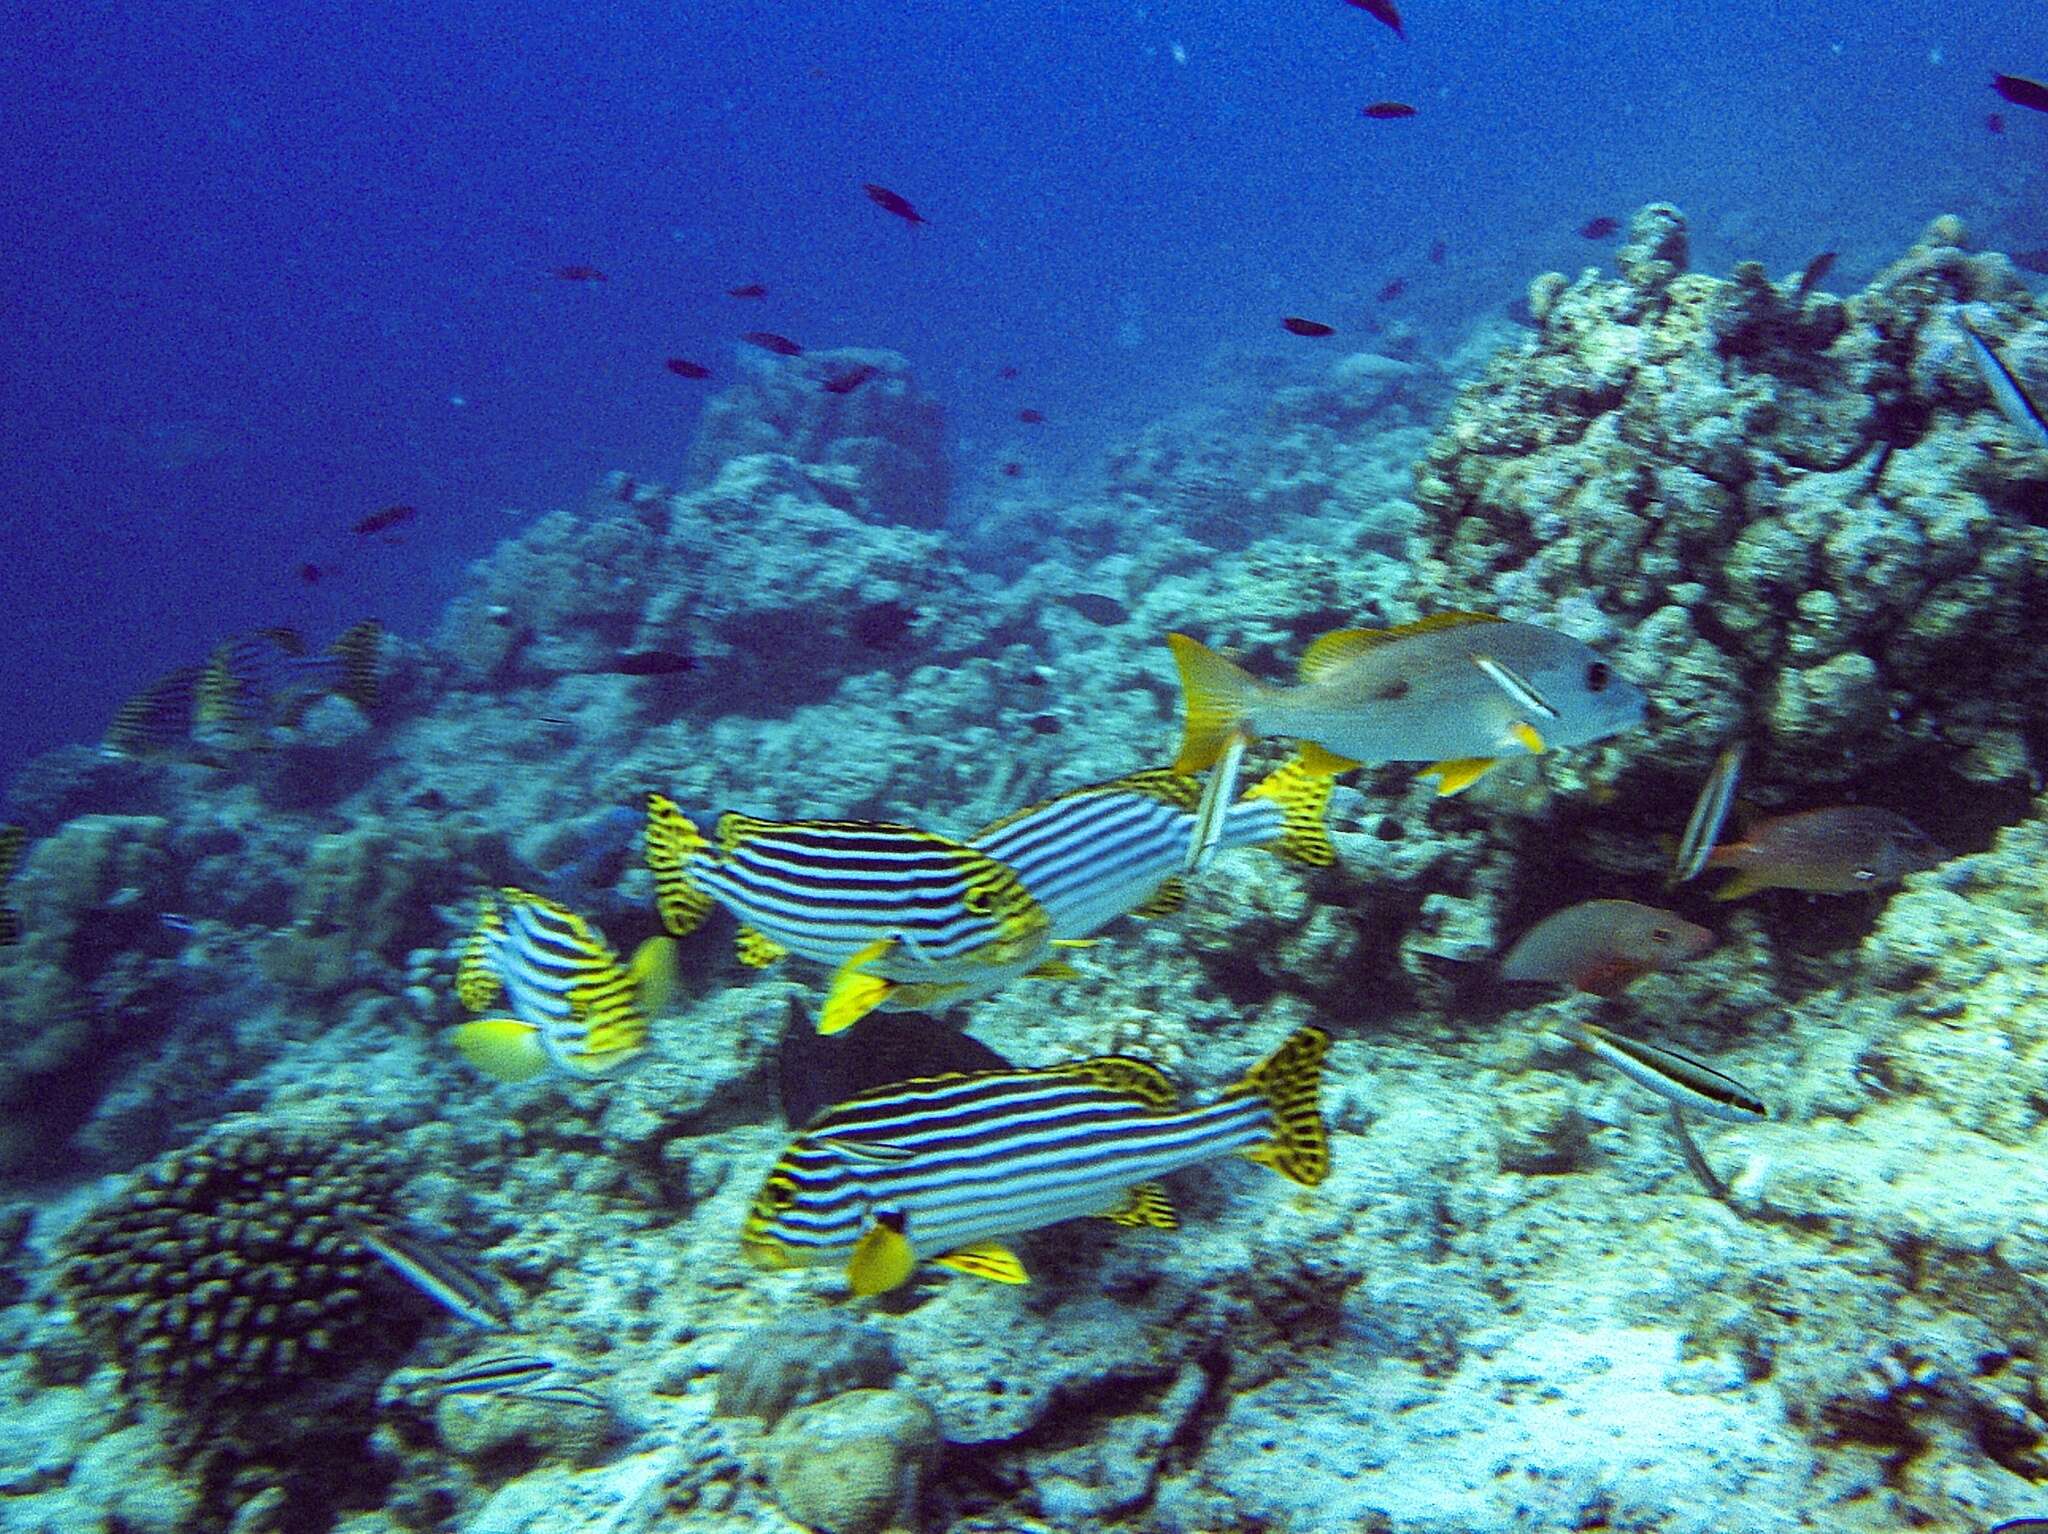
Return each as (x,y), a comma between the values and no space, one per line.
(1110,849)
(560,978)
(951,1162)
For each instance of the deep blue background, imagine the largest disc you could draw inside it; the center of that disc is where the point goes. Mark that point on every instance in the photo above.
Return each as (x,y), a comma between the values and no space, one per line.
(269,268)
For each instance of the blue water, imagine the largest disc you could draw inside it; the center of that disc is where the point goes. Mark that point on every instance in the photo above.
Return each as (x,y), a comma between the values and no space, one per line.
(270,268)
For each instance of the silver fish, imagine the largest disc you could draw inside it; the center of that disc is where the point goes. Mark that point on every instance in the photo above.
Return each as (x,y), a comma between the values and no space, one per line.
(1674,1077)
(459,1287)
(1709,815)
(2007,391)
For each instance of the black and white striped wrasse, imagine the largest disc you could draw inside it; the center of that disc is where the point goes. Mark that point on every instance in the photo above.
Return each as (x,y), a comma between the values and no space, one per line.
(891,907)
(936,1169)
(573,1004)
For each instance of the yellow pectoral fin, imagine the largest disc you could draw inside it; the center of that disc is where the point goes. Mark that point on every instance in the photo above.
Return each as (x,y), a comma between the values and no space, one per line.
(756,949)
(1324,762)
(855,993)
(1526,736)
(1146,1206)
(652,972)
(882,1259)
(1744,883)
(1076,942)
(1454,777)
(1053,969)
(502,1047)
(985,1259)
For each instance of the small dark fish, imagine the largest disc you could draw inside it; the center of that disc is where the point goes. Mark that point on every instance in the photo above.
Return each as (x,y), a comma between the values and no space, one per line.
(2022,92)
(1386,111)
(1382,10)
(1830,852)
(1295,325)
(747,290)
(1007,370)
(1994,122)
(851,379)
(489,1376)
(1393,290)
(2031,260)
(580,274)
(683,367)
(647,663)
(1599,228)
(1106,612)
(1031,417)
(769,341)
(311,573)
(1013,468)
(457,1284)
(1046,724)
(1437,251)
(177,921)
(892,202)
(389,517)
(1811,277)
(815,1070)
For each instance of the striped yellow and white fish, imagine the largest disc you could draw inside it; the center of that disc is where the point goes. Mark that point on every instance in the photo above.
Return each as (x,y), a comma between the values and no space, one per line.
(1459,690)
(938,1169)
(1117,848)
(904,916)
(572,1004)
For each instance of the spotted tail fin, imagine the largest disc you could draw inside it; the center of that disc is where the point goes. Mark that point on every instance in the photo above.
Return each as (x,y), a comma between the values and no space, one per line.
(673,843)
(1304,800)
(1289,1080)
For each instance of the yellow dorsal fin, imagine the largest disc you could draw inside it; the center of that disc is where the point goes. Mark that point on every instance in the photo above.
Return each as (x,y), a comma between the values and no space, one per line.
(1171,895)
(1054,968)
(756,949)
(673,844)
(502,1047)
(882,1258)
(985,1259)
(652,974)
(854,992)
(1527,737)
(1216,694)
(1120,1073)
(476,981)
(1148,1206)
(1459,774)
(1336,647)
(1324,762)
(1290,1080)
(1162,783)
(1304,799)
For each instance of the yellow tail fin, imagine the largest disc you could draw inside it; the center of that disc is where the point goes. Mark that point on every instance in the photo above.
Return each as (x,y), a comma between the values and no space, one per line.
(653,975)
(673,843)
(1304,800)
(1216,694)
(502,1047)
(1289,1079)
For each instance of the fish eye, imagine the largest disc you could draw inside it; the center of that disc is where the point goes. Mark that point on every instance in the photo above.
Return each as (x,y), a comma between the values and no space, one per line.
(978,902)
(1598,675)
(1662,934)
(781,1193)
(1864,875)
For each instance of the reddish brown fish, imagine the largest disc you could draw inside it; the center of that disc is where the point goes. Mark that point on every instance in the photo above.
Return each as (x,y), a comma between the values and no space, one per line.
(1599,228)
(1031,417)
(683,367)
(580,274)
(1994,122)
(2021,91)
(1007,370)
(892,202)
(1815,273)
(1383,11)
(1393,290)
(389,517)
(1013,468)
(747,290)
(1604,946)
(1295,325)
(769,341)
(1387,111)
(1830,852)
(1437,251)
(852,378)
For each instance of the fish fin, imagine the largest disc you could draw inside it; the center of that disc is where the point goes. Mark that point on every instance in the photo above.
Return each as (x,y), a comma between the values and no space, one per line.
(756,949)
(1459,774)
(1528,737)
(1331,650)
(1120,1073)
(1609,977)
(502,1047)
(882,1259)
(985,1259)
(357,652)
(1747,881)
(1171,895)
(1161,783)
(854,992)
(734,829)
(1304,799)
(652,973)
(12,839)
(10,926)
(1076,942)
(1053,969)
(476,979)
(1322,761)
(1456,618)
(1148,1206)
(673,843)
(1206,836)
(1216,693)
(1289,1080)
